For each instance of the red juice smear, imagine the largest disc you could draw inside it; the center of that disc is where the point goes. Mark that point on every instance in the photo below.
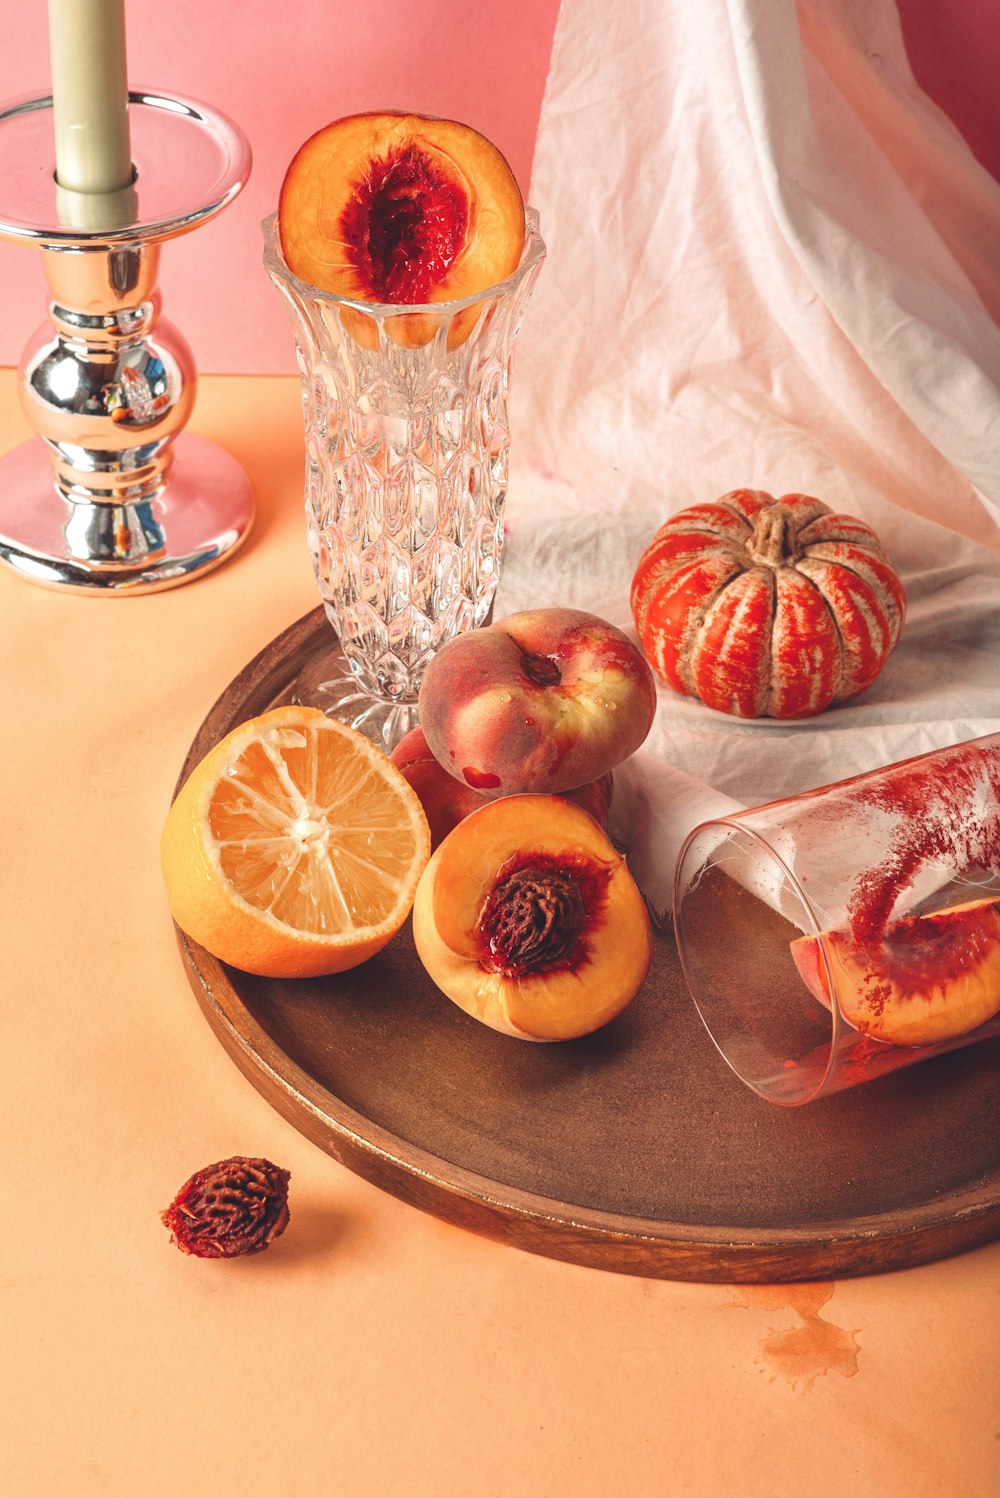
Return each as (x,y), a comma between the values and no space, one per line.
(946,811)
(480,780)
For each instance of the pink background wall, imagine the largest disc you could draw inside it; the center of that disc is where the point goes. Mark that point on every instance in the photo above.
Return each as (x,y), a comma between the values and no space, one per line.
(954,51)
(484,63)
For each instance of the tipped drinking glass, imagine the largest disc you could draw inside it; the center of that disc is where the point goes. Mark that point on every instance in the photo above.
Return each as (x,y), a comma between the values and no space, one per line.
(839,935)
(407,456)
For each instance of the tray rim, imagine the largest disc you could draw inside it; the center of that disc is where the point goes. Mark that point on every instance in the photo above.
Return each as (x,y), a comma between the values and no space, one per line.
(587,1236)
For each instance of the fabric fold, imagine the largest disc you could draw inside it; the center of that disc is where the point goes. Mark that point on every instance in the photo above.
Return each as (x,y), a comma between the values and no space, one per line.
(771,264)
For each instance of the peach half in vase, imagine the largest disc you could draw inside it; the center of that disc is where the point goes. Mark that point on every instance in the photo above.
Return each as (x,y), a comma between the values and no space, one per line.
(527,918)
(401,210)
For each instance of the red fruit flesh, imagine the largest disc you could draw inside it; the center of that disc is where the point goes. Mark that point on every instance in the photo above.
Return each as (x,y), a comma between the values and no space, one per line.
(400,209)
(930,978)
(404,226)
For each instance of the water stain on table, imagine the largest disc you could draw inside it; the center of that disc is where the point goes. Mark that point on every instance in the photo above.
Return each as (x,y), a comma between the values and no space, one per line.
(810,1348)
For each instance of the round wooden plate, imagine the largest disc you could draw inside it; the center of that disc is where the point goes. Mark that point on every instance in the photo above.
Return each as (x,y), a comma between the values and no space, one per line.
(634,1149)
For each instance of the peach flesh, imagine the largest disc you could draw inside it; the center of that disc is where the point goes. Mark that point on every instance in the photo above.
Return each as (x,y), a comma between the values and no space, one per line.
(404,227)
(932,978)
(528,919)
(400,209)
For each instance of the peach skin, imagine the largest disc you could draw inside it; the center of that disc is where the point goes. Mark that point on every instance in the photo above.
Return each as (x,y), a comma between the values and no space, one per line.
(446,801)
(544,700)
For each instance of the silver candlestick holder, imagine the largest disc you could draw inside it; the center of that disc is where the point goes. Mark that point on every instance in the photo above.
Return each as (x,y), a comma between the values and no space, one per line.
(112,496)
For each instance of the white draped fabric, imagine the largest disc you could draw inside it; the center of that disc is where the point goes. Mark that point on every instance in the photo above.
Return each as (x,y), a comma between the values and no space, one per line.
(772,263)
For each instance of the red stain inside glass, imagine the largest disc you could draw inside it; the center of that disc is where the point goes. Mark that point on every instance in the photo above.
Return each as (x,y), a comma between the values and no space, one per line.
(946,811)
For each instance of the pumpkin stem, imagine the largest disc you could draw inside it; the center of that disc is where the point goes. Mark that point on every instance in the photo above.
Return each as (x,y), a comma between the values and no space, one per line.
(772,541)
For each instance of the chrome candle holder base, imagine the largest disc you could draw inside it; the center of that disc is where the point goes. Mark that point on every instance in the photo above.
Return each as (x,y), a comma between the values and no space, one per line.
(112,496)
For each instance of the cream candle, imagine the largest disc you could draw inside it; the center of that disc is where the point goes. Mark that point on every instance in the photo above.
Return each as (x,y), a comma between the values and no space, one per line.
(90,95)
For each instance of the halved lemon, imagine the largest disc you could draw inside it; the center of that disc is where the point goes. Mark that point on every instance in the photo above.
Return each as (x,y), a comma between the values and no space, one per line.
(294,847)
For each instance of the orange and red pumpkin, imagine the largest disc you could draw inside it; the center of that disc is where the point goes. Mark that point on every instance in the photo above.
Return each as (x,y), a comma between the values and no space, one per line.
(765,607)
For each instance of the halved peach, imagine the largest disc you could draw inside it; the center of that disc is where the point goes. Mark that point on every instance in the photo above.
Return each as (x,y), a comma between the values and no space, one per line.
(401,209)
(527,918)
(931,978)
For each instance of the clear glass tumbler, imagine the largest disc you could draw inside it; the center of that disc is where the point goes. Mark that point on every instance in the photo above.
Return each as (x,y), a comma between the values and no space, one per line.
(835,936)
(407,457)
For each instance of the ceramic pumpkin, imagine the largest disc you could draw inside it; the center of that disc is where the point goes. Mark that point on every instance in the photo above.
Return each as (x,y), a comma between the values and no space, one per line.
(765,607)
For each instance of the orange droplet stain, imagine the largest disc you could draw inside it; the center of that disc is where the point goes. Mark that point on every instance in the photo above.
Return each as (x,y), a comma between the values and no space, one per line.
(810,1348)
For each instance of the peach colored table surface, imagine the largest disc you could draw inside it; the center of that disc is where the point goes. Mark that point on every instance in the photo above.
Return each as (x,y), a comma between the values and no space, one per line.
(373,1350)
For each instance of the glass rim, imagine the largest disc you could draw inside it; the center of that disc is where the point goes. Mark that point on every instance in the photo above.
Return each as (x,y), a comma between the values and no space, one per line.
(532,254)
(981,741)
(737,821)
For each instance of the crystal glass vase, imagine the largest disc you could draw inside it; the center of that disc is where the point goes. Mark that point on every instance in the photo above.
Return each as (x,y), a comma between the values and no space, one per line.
(407,456)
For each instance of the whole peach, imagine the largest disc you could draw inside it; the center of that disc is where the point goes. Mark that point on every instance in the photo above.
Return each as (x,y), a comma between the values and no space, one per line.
(542,701)
(595,798)
(447,801)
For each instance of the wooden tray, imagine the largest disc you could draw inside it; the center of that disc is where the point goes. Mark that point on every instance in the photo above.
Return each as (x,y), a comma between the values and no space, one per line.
(634,1149)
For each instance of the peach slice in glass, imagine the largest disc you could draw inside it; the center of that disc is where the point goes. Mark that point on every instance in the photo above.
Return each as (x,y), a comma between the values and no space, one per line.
(932,977)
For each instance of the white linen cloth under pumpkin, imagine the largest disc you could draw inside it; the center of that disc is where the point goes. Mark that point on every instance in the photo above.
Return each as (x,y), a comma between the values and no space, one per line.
(772,263)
